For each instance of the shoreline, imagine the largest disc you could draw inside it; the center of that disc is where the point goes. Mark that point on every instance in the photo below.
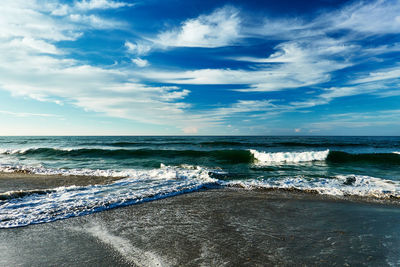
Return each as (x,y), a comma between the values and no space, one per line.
(215,227)
(24,181)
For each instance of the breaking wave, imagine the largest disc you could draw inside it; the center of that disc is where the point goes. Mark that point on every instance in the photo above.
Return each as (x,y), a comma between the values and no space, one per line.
(222,156)
(341,185)
(21,208)
(25,207)
(264,158)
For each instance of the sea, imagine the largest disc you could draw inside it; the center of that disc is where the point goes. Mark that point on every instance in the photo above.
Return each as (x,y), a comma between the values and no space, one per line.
(150,168)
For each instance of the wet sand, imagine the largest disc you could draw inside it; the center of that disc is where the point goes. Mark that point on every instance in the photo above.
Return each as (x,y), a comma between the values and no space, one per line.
(27,181)
(222,227)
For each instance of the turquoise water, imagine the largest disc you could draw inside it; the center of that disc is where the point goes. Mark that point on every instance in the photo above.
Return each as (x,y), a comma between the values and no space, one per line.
(159,167)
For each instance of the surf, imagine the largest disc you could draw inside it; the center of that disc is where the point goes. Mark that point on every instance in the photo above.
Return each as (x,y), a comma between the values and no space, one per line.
(21,208)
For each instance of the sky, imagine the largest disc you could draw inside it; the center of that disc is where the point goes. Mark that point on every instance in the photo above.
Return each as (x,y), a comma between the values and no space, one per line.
(199,67)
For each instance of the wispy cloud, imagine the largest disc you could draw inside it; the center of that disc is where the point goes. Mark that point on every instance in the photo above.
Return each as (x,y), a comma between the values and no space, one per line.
(60,9)
(383,74)
(355,120)
(26,114)
(100,4)
(294,65)
(369,17)
(94,21)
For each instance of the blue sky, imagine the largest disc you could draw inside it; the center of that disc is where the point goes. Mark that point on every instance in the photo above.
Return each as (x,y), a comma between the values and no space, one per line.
(151,67)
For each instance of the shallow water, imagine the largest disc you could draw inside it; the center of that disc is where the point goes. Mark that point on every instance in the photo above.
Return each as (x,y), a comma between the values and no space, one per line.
(215,228)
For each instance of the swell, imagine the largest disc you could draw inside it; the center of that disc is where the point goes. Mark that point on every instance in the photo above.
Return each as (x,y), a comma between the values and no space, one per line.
(224,156)
(169,143)
(304,144)
(259,144)
(379,158)
(228,143)
(136,144)
(231,156)
(289,144)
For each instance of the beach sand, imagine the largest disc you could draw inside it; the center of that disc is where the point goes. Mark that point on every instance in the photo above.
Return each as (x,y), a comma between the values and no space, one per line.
(219,227)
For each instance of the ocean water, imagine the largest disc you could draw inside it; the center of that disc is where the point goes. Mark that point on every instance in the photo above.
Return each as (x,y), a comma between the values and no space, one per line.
(151,168)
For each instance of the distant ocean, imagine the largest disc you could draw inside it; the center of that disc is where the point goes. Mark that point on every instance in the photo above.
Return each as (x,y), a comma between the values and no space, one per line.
(151,168)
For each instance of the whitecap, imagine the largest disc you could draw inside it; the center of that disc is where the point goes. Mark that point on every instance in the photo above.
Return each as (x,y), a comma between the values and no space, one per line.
(264,158)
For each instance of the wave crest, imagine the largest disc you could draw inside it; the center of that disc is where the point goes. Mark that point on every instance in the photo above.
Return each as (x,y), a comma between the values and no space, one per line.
(264,158)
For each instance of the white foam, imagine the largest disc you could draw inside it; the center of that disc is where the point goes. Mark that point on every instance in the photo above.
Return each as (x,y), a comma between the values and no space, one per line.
(65,202)
(264,158)
(396,152)
(341,185)
(165,172)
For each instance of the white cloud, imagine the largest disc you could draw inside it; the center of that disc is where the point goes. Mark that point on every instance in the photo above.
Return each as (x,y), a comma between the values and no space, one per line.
(280,29)
(335,92)
(95,22)
(94,89)
(39,46)
(395,91)
(100,4)
(58,9)
(220,28)
(244,106)
(31,65)
(383,74)
(366,17)
(374,17)
(240,109)
(140,62)
(138,48)
(26,19)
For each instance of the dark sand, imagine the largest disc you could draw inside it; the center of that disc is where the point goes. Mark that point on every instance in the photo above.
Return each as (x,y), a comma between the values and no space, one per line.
(228,227)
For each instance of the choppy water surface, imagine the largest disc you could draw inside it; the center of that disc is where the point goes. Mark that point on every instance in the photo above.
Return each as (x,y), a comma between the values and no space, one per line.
(159,167)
